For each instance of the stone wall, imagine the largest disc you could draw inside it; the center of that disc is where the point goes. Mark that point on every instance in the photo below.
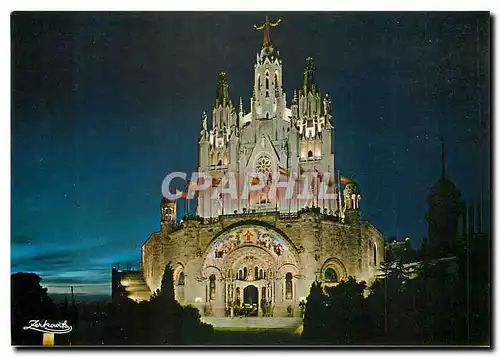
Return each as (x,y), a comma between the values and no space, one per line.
(319,242)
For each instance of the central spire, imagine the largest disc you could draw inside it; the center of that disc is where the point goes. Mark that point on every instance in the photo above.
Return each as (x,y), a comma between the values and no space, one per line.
(266,26)
(222,93)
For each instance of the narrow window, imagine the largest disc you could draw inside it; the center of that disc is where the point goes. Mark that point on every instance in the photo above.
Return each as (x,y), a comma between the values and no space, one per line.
(212,287)
(374,255)
(256,275)
(288,286)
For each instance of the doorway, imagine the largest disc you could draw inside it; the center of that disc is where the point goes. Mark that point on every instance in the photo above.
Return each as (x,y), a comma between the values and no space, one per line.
(251,300)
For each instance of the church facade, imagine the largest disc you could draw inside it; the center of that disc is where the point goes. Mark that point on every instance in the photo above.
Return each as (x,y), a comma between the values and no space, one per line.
(265,246)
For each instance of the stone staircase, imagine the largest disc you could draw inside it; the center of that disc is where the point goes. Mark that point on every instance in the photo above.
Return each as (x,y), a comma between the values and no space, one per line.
(246,323)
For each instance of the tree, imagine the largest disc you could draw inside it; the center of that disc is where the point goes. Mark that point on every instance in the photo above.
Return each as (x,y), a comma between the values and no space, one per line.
(346,312)
(314,315)
(29,301)
(390,301)
(161,320)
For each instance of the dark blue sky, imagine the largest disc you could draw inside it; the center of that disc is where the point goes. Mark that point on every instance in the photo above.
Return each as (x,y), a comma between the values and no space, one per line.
(104,105)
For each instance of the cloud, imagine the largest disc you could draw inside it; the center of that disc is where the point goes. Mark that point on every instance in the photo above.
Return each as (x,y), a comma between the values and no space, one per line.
(76,280)
(21,239)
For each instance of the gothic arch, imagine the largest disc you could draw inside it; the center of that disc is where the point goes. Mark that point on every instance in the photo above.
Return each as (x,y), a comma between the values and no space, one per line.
(178,268)
(288,267)
(337,266)
(251,222)
(262,240)
(211,269)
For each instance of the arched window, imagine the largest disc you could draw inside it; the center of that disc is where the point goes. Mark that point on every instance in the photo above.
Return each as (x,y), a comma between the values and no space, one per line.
(267,82)
(256,275)
(261,274)
(180,279)
(276,79)
(237,301)
(331,275)
(267,115)
(258,82)
(288,286)
(244,273)
(309,154)
(374,255)
(212,287)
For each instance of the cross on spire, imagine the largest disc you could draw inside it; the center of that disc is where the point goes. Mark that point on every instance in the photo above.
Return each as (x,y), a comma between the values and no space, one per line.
(266,26)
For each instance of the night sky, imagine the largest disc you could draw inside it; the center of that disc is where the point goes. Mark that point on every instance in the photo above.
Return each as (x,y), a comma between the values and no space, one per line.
(104,105)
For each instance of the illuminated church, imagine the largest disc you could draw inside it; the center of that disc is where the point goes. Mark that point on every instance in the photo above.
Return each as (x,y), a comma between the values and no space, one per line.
(260,248)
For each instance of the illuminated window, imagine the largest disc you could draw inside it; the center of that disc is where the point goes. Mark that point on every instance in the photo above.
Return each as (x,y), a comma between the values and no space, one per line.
(331,275)
(288,286)
(212,287)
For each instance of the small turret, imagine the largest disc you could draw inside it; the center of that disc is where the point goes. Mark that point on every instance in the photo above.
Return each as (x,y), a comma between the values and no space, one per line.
(352,196)
(168,211)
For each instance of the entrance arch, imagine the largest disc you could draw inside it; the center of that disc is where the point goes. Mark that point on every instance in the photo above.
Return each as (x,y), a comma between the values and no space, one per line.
(251,260)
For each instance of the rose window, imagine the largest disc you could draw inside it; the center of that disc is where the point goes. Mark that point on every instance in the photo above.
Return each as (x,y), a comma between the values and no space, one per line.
(263,165)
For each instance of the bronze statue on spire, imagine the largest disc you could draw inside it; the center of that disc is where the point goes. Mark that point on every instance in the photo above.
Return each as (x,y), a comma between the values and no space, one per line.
(266,26)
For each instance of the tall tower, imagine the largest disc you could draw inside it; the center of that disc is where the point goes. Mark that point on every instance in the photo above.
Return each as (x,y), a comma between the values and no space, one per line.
(268,100)
(312,116)
(445,209)
(217,147)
